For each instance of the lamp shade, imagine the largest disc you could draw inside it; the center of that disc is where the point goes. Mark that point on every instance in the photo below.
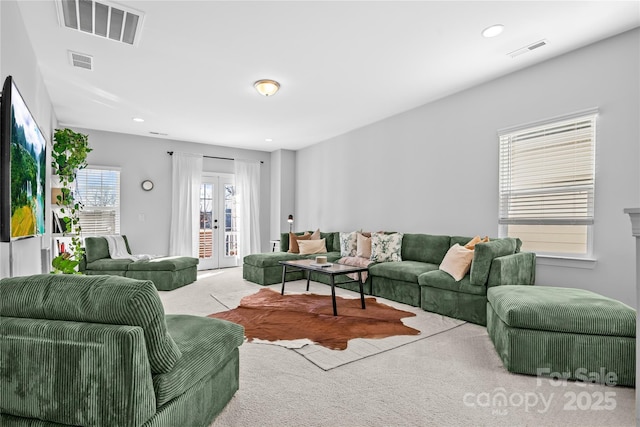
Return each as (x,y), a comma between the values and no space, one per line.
(290,219)
(267,87)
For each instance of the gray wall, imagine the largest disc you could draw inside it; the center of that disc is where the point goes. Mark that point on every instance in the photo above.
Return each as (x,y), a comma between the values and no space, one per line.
(282,190)
(434,169)
(145,216)
(18,60)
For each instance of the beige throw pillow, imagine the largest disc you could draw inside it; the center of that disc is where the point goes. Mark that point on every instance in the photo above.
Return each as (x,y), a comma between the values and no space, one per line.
(308,247)
(315,235)
(457,261)
(363,246)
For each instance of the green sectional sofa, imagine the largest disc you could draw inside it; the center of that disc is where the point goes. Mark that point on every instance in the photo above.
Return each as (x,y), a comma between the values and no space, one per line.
(166,273)
(99,351)
(417,280)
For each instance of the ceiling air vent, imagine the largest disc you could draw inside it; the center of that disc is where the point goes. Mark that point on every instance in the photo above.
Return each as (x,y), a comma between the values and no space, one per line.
(529,48)
(81,60)
(102,19)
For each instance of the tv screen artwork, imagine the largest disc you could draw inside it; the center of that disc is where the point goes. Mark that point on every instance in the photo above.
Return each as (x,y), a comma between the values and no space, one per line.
(22,140)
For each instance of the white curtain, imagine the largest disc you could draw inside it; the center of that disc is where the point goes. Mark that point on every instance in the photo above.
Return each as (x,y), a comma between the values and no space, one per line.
(185,207)
(247,176)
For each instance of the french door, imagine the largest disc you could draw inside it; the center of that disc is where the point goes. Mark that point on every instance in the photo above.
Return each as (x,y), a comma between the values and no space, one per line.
(218,239)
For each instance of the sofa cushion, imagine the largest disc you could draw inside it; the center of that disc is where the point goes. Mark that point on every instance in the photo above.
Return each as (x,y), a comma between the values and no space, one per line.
(164,264)
(108,264)
(270,259)
(204,343)
(96,299)
(570,310)
(484,255)
(97,248)
(425,247)
(442,280)
(406,271)
(332,241)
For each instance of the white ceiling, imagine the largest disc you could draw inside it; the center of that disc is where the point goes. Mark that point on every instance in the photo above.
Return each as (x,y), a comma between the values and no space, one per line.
(341,64)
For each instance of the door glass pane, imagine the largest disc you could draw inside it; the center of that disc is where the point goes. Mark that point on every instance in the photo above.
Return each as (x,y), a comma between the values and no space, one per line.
(206,221)
(230,223)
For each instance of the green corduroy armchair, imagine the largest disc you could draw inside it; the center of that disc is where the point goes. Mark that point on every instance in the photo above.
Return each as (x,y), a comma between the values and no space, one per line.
(99,351)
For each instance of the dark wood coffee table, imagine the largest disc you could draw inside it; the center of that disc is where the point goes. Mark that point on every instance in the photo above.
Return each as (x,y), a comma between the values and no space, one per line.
(331,271)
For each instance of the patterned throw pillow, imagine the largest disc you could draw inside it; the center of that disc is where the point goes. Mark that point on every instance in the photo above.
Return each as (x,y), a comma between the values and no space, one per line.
(386,247)
(348,243)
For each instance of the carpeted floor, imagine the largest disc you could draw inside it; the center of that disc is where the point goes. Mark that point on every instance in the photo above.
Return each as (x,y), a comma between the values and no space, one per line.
(453,378)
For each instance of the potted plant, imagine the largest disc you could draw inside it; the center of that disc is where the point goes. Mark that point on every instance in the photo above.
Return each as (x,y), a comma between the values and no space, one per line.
(70,150)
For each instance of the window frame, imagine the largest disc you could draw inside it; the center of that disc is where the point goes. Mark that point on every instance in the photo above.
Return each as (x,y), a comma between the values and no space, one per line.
(117,228)
(581,260)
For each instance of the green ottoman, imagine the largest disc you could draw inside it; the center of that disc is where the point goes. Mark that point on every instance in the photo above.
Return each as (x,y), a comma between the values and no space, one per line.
(563,332)
(166,273)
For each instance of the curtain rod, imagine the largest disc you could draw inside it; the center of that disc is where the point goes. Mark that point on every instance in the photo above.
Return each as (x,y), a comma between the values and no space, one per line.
(211,157)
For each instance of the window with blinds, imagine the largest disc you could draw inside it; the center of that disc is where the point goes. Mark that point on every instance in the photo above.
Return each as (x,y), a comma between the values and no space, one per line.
(547,177)
(99,191)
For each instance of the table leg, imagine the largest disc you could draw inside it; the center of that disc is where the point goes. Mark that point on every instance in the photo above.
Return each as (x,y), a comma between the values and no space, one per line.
(284,275)
(361,289)
(333,295)
(308,279)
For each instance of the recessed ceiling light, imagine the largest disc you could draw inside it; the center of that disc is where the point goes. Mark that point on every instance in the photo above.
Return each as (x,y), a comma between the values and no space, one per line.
(493,31)
(268,140)
(138,119)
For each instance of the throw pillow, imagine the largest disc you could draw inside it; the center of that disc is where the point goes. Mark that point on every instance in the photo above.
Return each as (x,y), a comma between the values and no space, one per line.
(386,247)
(293,242)
(348,244)
(308,247)
(473,242)
(457,261)
(315,235)
(363,245)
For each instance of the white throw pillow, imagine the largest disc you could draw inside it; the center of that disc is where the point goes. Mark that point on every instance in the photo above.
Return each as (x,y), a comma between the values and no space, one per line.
(457,261)
(386,247)
(348,244)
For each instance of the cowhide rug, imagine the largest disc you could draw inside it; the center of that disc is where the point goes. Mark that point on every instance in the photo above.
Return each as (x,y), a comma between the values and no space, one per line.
(267,315)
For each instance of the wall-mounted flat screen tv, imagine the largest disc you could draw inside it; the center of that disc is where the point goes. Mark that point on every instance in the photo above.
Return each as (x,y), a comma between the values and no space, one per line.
(22,168)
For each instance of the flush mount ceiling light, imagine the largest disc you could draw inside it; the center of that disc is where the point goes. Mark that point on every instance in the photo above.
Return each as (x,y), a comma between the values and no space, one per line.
(267,87)
(492,31)
(138,119)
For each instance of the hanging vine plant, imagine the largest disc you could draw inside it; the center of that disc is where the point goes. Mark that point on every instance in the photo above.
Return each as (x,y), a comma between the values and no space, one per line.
(70,150)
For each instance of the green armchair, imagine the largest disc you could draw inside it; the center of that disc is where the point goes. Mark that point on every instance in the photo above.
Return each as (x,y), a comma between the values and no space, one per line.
(99,351)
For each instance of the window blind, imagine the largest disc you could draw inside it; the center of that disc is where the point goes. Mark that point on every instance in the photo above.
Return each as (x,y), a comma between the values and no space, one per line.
(547,173)
(99,191)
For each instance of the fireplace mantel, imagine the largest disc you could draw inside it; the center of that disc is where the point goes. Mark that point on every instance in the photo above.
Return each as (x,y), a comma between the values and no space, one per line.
(634,214)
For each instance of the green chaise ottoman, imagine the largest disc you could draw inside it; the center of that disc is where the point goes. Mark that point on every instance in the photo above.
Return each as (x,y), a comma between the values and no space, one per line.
(166,273)
(563,333)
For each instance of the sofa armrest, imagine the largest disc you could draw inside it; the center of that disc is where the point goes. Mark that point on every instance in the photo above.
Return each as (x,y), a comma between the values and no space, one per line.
(516,269)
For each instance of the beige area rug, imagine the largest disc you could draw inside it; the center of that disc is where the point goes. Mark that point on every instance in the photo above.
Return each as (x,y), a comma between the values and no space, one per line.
(428,324)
